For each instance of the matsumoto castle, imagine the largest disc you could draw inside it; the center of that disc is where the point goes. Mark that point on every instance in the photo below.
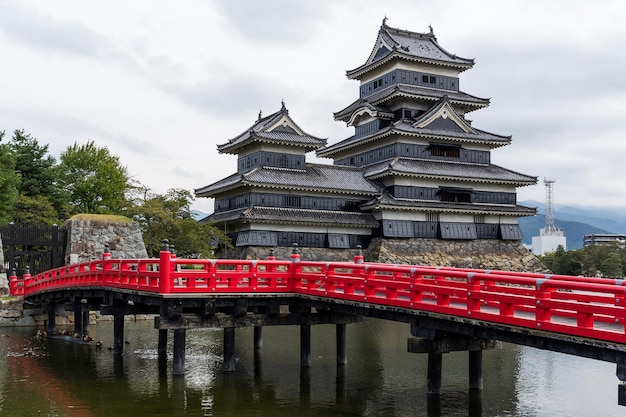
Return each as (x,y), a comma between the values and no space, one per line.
(415,168)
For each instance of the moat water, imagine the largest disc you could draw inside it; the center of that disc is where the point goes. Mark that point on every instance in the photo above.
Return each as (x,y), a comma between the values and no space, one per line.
(53,377)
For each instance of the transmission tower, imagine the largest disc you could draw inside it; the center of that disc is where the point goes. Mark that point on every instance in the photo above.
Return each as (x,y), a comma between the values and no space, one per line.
(549,230)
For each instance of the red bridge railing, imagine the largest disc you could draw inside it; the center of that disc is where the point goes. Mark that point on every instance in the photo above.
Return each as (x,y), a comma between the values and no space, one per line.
(578,306)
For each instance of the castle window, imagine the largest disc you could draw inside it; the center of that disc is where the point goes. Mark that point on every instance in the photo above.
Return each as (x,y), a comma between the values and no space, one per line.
(291,201)
(455,195)
(425,78)
(432,80)
(283,161)
(479,218)
(447,151)
(432,217)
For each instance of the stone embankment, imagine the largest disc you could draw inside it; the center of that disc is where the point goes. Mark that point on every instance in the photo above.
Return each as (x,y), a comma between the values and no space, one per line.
(15,313)
(477,254)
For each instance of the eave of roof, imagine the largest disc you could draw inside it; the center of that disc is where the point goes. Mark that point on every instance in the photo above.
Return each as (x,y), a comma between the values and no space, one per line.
(449,170)
(283,215)
(457,98)
(388,202)
(315,178)
(406,129)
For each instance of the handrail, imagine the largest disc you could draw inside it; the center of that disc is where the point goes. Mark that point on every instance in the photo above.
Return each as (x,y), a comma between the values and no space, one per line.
(578,306)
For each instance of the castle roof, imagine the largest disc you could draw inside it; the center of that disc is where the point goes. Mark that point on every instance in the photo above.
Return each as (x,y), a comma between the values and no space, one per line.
(315,177)
(430,131)
(396,44)
(448,170)
(457,98)
(284,215)
(389,202)
(277,128)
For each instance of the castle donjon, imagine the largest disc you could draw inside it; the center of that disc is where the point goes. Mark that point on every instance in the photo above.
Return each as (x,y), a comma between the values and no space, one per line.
(415,180)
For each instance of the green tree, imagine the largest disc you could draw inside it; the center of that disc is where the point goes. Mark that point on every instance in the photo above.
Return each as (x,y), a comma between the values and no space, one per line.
(38,201)
(169,217)
(34,210)
(9,182)
(611,266)
(92,180)
(33,164)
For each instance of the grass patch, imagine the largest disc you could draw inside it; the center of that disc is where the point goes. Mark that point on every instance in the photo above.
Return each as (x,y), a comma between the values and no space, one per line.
(102,218)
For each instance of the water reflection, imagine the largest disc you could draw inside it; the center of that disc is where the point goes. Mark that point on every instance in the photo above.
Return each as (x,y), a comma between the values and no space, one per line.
(57,378)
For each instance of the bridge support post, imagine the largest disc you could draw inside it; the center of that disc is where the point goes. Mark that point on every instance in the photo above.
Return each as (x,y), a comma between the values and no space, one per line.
(305,345)
(258,337)
(118,333)
(434,373)
(85,322)
(342,352)
(78,319)
(476,369)
(162,343)
(621,375)
(52,324)
(178,366)
(229,349)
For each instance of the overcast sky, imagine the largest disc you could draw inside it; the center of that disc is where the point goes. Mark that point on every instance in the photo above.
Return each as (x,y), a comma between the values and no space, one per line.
(162,83)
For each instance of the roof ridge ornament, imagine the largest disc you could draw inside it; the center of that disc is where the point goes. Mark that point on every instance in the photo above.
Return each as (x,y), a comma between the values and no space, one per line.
(260,115)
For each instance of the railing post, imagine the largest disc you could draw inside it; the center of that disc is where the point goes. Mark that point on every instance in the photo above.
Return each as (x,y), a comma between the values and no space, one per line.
(296,281)
(25,279)
(106,264)
(358,258)
(295,256)
(16,287)
(542,310)
(473,290)
(165,273)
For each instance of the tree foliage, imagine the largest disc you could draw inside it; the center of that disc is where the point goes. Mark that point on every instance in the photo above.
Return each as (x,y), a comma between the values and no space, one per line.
(92,180)
(35,189)
(594,260)
(33,164)
(9,181)
(169,217)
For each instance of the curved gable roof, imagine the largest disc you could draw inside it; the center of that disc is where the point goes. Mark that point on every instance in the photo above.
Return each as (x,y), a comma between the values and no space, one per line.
(392,43)
(278,128)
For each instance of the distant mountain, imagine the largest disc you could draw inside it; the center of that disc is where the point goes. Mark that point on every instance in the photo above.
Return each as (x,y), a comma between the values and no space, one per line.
(576,221)
(198,215)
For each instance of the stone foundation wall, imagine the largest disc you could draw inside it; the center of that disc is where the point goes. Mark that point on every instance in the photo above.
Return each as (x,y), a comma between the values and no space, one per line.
(86,238)
(478,254)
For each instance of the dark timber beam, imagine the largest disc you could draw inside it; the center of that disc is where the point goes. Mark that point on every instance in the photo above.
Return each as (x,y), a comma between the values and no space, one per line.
(218,321)
(305,345)
(178,366)
(342,349)
(229,349)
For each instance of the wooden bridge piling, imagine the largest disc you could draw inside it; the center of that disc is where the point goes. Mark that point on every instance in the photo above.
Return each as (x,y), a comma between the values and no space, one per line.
(342,349)
(305,345)
(229,349)
(178,363)
(258,337)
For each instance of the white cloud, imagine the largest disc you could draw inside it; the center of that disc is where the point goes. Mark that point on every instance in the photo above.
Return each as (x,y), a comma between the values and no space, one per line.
(162,83)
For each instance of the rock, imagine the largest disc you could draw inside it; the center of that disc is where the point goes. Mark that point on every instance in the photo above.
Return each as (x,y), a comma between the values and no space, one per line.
(25,321)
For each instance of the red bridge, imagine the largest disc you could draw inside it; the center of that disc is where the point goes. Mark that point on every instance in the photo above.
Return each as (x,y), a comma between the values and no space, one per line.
(448,308)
